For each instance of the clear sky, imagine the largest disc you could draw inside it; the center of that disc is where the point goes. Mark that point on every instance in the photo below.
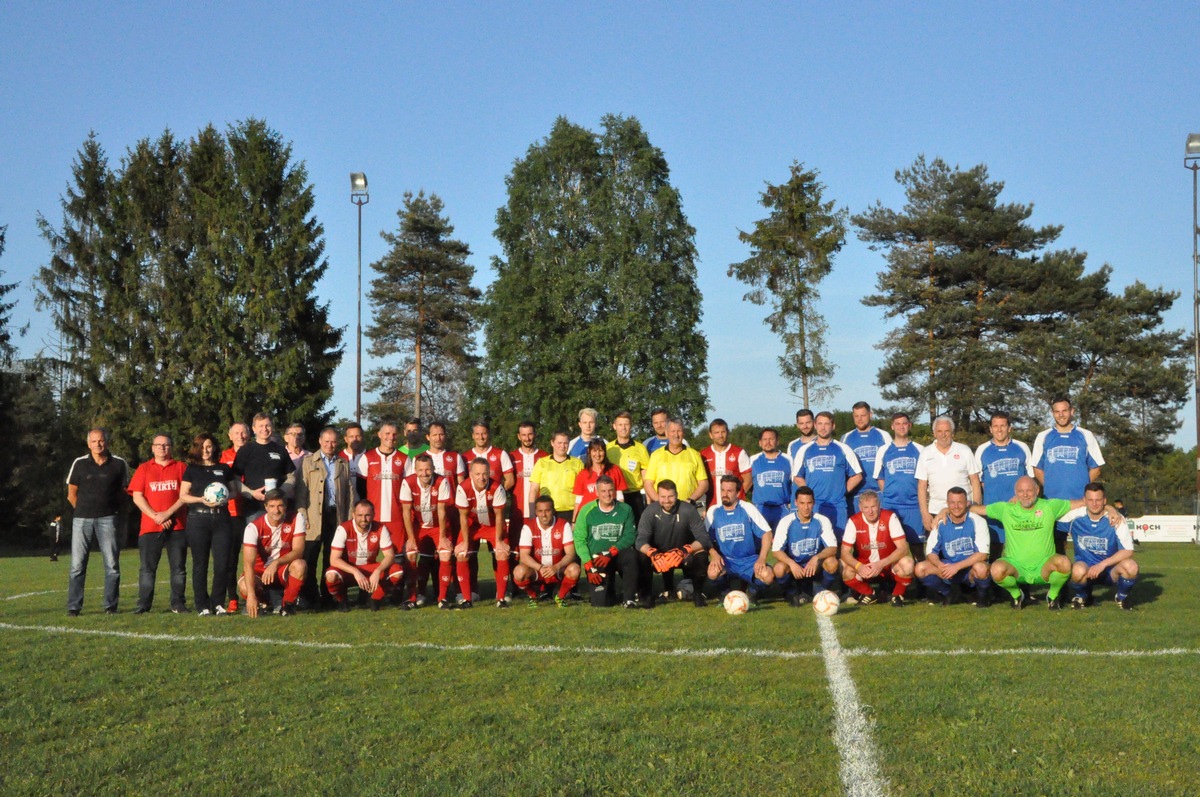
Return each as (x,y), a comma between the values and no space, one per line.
(1081,109)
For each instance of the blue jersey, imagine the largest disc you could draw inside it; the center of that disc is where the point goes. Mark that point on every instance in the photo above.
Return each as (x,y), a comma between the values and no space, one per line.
(954,542)
(794,447)
(1096,540)
(802,541)
(866,446)
(654,442)
(578,446)
(825,468)
(1002,466)
(772,480)
(736,533)
(1064,458)
(896,466)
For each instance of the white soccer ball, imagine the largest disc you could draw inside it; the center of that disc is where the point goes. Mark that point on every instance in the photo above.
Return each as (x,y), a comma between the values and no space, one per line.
(216,493)
(826,603)
(737,602)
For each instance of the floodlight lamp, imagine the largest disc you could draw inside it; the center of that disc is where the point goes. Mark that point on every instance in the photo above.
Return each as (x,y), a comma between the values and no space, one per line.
(358,182)
(1192,148)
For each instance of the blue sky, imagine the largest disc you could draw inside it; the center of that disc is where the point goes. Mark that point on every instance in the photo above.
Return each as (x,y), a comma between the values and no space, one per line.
(1081,109)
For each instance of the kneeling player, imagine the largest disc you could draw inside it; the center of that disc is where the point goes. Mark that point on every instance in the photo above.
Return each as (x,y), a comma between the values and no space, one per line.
(604,538)
(1103,552)
(547,554)
(273,554)
(481,502)
(741,541)
(874,550)
(356,551)
(671,534)
(424,503)
(805,549)
(956,554)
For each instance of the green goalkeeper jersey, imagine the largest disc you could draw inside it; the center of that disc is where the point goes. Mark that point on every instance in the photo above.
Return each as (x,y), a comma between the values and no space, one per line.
(1029,533)
(596,530)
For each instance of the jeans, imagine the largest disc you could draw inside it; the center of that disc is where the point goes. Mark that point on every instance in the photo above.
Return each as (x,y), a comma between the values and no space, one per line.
(151,547)
(104,531)
(209,532)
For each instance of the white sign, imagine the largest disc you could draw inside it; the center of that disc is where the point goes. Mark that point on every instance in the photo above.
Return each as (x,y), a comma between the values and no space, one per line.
(1164,528)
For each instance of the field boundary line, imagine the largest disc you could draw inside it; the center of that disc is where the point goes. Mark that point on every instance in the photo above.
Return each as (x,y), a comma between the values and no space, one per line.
(1029,651)
(859,767)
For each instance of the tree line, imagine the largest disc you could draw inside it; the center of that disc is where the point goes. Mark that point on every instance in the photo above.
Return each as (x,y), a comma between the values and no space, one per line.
(181,286)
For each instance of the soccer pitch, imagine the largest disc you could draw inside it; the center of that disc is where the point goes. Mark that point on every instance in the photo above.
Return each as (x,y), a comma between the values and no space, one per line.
(582,701)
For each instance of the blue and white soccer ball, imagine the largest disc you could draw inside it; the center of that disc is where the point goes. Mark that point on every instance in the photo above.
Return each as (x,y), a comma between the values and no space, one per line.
(216,493)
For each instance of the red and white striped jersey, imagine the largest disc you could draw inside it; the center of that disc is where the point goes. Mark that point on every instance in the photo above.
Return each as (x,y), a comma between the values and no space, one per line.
(523,464)
(481,505)
(873,541)
(426,502)
(361,549)
(548,546)
(499,463)
(383,473)
(450,465)
(270,541)
(733,461)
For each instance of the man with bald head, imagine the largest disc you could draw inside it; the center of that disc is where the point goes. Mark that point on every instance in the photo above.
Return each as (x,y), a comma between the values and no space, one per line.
(1029,556)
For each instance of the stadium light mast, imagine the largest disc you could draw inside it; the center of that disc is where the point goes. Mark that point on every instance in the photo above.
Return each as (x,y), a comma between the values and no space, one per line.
(360,196)
(1191,160)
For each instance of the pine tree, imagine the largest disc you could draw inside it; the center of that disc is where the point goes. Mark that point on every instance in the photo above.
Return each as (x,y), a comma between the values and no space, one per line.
(595,300)
(424,309)
(791,252)
(967,277)
(182,286)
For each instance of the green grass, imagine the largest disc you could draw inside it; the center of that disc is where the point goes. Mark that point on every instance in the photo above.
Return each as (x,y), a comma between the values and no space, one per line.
(86,713)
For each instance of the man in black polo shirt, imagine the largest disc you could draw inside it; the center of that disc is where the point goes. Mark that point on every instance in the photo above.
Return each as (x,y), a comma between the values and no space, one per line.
(96,488)
(675,528)
(261,462)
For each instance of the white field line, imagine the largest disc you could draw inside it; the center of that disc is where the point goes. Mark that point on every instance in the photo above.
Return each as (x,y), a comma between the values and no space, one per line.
(85,589)
(852,730)
(761,653)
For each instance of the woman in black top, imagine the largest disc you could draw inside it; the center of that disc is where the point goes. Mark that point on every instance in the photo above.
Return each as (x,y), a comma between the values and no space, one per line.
(209,529)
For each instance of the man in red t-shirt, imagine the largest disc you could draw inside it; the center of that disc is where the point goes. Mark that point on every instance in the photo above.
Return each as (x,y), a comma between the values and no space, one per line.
(273,554)
(547,554)
(363,550)
(874,550)
(481,503)
(723,458)
(425,501)
(155,491)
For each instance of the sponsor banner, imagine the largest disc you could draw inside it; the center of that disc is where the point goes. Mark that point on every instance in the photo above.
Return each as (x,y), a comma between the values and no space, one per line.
(1164,528)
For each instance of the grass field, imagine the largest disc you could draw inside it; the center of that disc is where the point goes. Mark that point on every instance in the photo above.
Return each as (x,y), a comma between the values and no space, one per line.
(582,701)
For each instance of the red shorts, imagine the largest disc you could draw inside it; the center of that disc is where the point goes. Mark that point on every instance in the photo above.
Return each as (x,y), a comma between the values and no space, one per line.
(370,567)
(477,534)
(281,573)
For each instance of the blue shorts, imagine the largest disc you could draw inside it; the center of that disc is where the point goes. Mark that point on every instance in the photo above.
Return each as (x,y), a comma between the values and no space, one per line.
(773,513)
(912,521)
(1106,577)
(741,568)
(836,512)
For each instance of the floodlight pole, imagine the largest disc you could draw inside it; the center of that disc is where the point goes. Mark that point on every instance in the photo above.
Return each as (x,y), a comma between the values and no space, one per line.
(359,196)
(1191,160)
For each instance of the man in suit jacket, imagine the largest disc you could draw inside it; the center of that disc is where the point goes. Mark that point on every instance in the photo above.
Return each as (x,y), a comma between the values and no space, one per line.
(324,496)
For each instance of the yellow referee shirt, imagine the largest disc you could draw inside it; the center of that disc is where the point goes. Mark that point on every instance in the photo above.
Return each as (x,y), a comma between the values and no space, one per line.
(632,461)
(557,480)
(686,469)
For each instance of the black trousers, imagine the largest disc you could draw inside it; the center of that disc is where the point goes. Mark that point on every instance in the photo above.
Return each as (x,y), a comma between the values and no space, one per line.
(209,533)
(626,564)
(313,551)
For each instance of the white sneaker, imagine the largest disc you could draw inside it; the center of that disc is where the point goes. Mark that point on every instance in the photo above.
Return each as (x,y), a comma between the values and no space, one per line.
(421,601)
(205,613)
(219,610)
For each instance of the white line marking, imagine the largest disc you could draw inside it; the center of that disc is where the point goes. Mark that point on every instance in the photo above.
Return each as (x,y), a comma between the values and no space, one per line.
(248,640)
(1024,652)
(852,730)
(86,589)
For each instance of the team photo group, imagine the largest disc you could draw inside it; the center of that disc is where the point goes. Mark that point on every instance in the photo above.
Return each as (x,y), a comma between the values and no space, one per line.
(871,517)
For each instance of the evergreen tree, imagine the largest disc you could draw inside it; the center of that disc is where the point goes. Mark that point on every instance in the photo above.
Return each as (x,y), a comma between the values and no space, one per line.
(967,277)
(182,286)
(424,310)
(791,252)
(595,300)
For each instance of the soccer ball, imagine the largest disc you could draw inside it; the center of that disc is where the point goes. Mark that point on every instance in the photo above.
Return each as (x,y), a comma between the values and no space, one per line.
(737,602)
(826,603)
(216,493)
